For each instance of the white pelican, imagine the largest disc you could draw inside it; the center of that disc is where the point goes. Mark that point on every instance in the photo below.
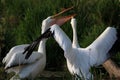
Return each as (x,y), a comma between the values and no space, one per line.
(79,60)
(30,67)
(15,61)
(109,65)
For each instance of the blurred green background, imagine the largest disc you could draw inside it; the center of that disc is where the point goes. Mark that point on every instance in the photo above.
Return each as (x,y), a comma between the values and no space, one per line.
(20,23)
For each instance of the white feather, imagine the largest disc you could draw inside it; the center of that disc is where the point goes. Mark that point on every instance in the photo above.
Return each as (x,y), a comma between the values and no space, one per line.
(34,65)
(12,51)
(79,60)
(74,27)
(100,47)
(19,59)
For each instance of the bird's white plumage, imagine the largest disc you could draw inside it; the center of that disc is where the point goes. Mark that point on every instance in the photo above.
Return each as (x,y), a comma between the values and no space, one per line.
(59,37)
(102,45)
(98,43)
(74,27)
(81,59)
(19,59)
(13,50)
(35,64)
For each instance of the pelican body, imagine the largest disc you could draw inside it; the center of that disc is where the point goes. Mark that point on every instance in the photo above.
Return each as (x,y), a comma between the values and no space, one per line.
(80,60)
(27,68)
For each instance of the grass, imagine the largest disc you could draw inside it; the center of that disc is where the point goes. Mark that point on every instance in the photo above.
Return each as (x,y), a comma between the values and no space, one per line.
(21,21)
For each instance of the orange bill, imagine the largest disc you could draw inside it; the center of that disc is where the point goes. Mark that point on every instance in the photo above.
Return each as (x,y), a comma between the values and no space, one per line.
(60,21)
(65,10)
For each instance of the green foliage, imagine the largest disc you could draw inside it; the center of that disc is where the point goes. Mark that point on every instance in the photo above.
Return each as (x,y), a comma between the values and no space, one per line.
(1,38)
(21,22)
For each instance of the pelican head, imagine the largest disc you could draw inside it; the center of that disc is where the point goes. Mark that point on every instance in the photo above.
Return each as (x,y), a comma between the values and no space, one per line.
(55,19)
(49,21)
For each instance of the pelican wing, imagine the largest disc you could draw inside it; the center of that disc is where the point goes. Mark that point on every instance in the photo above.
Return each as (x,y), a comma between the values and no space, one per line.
(19,59)
(13,50)
(100,47)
